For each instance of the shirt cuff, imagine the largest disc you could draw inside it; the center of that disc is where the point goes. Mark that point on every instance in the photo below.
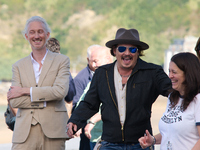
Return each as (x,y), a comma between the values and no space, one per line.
(197,123)
(31,94)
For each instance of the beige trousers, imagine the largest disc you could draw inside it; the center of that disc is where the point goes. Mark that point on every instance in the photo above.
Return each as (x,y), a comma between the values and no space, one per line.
(38,141)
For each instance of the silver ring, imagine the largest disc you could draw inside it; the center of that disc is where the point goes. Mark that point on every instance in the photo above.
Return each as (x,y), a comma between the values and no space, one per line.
(67,128)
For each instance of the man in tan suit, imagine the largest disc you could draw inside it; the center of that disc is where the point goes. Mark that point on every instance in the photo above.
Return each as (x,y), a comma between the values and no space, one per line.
(39,84)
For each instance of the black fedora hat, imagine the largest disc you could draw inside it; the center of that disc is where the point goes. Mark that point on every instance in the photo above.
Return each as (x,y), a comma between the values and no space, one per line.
(124,36)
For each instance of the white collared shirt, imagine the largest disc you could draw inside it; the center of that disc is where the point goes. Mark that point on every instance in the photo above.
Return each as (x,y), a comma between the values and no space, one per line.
(37,72)
(92,73)
(120,94)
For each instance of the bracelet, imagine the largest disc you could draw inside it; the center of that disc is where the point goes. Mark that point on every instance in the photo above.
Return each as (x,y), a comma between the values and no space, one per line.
(154,140)
(91,122)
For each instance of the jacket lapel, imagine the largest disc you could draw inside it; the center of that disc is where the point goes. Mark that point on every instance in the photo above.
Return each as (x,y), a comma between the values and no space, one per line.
(28,68)
(111,85)
(45,68)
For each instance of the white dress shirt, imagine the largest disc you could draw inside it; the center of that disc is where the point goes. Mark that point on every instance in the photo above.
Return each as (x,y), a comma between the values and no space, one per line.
(120,94)
(37,71)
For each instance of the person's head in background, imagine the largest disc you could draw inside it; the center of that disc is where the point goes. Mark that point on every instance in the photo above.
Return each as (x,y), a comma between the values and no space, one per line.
(98,55)
(53,45)
(103,57)
(184,71)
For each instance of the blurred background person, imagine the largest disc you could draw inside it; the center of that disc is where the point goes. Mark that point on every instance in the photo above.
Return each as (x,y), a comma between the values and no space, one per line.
(180,124)
(85,75)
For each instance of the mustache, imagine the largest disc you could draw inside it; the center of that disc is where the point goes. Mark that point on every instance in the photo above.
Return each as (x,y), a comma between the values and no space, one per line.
(127,57)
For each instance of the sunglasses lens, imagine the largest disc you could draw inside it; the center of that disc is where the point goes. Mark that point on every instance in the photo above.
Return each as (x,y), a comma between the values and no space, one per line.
(133,49)
(121,49)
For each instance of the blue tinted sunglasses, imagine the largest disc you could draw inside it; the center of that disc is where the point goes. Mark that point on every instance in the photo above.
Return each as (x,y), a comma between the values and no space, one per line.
(122,49)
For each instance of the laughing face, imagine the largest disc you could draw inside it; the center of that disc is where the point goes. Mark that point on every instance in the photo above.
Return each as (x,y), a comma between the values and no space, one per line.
(37,36)
(177,77)
(126,60)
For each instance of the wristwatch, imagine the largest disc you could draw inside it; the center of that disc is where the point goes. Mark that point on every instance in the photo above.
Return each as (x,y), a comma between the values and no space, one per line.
(91,122)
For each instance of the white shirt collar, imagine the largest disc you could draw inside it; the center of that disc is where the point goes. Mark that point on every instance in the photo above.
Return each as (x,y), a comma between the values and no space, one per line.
(34,61)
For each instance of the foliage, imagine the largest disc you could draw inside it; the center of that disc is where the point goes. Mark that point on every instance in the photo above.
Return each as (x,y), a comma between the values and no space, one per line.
(78,24)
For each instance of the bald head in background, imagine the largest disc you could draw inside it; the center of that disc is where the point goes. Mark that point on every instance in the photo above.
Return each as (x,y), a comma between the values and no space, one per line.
(99,55)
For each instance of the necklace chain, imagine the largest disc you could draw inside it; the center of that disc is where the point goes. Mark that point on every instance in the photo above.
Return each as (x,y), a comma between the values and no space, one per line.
(125,75)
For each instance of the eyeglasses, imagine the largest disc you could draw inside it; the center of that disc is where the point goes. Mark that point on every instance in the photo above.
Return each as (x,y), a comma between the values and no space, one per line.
(122,49)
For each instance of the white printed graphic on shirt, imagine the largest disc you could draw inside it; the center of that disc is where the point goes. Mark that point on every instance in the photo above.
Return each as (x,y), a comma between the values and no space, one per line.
(173,115)
(169,146)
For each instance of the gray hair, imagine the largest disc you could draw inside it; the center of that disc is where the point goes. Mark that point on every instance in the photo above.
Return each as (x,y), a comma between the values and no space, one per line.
(90,48)
(39,19)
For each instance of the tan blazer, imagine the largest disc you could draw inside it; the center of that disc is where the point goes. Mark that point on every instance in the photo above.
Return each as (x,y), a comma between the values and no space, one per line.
(52,87)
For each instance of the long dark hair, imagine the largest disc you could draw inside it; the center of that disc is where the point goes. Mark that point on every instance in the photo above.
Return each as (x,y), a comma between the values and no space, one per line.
(190,65)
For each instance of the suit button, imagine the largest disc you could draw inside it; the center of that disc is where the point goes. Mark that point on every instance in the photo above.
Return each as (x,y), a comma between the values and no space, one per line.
(31,112)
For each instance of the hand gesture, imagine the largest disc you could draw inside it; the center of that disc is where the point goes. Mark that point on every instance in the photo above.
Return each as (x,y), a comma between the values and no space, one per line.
(147,140)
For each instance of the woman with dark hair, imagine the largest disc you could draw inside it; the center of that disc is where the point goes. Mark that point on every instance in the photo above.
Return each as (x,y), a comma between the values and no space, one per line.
(180,124)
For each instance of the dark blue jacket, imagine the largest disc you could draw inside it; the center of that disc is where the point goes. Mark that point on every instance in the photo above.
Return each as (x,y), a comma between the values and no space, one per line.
(72,91)
(81,80)
(146,83)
